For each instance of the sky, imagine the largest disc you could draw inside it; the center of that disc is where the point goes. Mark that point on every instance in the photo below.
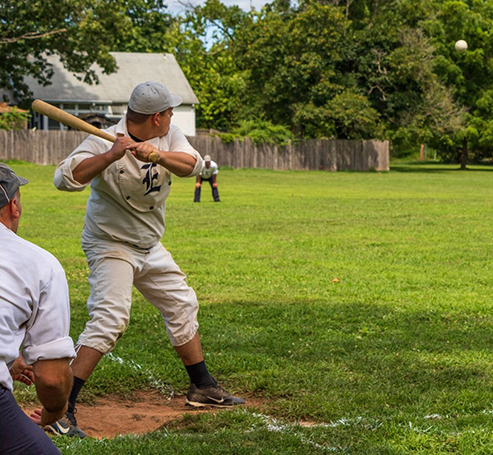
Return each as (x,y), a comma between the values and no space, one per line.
(175,8)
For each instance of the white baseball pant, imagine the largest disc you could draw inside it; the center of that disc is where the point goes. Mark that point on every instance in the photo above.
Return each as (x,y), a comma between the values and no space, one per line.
(114,268)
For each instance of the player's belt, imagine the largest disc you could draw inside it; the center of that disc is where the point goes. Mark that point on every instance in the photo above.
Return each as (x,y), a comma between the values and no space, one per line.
(138,247)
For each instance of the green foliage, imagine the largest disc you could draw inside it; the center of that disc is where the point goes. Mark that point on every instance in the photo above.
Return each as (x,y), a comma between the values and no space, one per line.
(211,69)
(291,59)
(146,22)
(260,132)
(264,132)
(228,138)
(15,119)
(353,69)
(359,69)
(81,32)
(346,116)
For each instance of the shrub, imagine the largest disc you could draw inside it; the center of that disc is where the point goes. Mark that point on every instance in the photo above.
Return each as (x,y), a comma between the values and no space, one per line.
(260,132)
(14,119)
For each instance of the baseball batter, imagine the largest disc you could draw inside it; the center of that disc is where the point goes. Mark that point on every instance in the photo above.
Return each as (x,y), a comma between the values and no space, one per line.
(208,174)
(121,238)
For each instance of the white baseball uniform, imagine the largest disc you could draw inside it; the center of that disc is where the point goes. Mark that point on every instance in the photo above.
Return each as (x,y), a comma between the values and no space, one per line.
(207,173)
(34,305)
(124,224)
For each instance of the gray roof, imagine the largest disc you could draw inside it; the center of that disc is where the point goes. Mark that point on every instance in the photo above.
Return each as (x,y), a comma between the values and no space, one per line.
(133,68)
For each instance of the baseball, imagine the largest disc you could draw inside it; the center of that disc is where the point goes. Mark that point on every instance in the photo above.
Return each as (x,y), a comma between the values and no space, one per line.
(460,46)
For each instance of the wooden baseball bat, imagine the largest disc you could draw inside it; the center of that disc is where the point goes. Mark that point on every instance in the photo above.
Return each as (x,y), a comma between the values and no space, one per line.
(64,117)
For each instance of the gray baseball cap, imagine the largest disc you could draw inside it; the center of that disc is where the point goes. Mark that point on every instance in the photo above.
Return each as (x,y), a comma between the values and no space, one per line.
(207,158)
(9,184)
(151,97)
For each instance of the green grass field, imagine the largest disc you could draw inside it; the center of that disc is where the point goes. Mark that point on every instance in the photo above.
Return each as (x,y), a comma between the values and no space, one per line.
(393,358)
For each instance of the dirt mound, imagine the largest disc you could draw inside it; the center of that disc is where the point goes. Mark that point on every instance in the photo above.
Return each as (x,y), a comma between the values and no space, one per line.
(145,411)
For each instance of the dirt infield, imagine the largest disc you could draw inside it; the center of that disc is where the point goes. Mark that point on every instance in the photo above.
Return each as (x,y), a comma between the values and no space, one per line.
(144,412)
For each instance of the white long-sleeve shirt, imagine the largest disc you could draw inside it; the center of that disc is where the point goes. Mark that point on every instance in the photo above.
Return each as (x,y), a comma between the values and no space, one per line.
(34,305)
(128,199)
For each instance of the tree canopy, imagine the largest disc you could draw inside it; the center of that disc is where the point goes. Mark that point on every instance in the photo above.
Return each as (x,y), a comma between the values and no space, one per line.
(81,32)
(350,69)
(346,69)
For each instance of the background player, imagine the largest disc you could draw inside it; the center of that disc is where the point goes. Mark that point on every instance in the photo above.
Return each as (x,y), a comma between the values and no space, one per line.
(209,174)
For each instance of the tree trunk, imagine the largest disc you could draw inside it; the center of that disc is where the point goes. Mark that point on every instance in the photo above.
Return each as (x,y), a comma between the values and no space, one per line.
(463,156)
(376,6)
(348,4)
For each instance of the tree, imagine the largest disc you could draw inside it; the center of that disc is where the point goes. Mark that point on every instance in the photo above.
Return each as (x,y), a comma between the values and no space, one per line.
(202,44)
(291,58)
(347,69)
(467,77)
(81,32)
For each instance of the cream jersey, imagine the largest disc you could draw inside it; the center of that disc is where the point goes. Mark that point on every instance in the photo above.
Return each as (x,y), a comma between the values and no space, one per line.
(34,305)
(128,199)
(208,173)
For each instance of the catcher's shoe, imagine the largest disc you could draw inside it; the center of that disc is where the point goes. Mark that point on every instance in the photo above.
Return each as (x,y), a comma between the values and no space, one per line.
(213,395)
(66,426)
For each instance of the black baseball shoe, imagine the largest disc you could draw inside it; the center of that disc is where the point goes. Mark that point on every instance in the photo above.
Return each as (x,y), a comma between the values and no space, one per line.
(213,395)
(66,426)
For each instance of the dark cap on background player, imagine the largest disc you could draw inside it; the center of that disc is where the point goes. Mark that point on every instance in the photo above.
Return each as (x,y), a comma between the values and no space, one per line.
(9,184)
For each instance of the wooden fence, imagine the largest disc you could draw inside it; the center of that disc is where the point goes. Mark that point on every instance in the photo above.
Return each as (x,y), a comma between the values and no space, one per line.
(50,147)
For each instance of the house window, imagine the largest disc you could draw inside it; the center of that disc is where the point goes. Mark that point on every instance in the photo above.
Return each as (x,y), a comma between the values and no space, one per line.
(45,123)
(53,124)
(36,121)
(117,110)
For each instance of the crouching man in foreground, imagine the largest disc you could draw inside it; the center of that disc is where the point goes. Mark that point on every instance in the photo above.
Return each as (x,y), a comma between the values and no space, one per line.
(34,317)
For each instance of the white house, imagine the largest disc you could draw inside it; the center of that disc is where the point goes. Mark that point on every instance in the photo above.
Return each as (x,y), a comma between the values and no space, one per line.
(110,96)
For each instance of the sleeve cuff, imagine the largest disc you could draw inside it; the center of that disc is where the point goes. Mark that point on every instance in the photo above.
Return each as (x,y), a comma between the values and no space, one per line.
(64,178)
(198,165)
(57,349)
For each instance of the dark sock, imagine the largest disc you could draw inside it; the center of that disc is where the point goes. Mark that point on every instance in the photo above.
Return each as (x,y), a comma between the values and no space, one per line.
(199,375)
(76,387)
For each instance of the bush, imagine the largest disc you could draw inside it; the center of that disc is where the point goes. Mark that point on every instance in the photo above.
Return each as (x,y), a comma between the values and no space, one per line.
(14,119)
(260,132)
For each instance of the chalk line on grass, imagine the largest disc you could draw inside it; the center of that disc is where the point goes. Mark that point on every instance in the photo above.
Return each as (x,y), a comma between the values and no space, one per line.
(271,424)
(154,382)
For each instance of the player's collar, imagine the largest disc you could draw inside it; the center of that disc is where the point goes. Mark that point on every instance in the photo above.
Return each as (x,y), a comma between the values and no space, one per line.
(135,138)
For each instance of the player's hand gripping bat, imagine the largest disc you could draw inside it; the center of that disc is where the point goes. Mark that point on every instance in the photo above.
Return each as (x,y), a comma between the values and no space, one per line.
(70,120)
